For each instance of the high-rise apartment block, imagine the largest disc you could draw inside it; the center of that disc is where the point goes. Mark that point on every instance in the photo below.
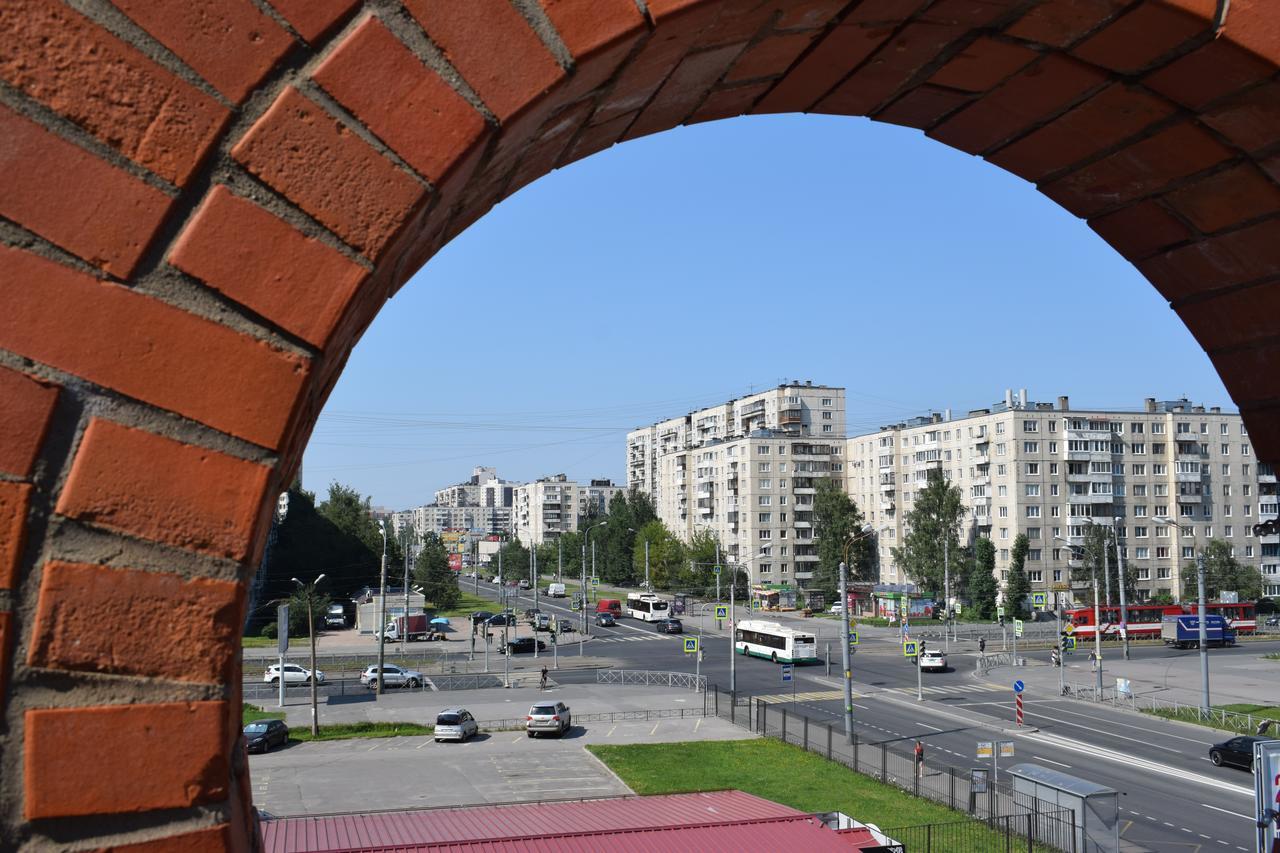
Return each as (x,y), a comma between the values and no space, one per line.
(746,471)
(1047,471)
(550,507)
(479,506)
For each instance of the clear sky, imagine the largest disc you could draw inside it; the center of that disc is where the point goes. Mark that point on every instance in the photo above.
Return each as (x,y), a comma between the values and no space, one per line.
(693,266)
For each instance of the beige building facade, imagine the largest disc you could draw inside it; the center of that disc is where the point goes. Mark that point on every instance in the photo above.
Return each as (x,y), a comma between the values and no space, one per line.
(547,508)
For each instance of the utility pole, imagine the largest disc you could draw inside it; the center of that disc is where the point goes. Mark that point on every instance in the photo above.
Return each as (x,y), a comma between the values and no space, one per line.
(647,587)
(844,652)
(946,589)
(404,544)
(1106,569)
(1062,661)
(382,624)
(733,637)
(559,560)
(1097,643)
(1124,613)
(1204,639)
(593,561)
(533,557)
(582,594)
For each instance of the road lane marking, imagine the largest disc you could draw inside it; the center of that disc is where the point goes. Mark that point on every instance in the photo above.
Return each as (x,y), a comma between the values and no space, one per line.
(611,731)
(1059,710)
(1049,760)
(1225,811)
(696,725)
(927,726)
(654,731)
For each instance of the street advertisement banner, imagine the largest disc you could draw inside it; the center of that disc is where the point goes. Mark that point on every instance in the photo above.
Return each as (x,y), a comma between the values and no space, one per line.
(455,562)
(1266,781)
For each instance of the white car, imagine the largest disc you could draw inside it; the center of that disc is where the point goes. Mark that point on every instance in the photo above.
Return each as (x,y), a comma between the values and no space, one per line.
(396,676)
(933,661)
(836,610)
(293,674)
(455,724)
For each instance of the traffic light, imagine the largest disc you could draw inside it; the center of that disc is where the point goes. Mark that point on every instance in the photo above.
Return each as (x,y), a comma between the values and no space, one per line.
(1001,618)
(920,649)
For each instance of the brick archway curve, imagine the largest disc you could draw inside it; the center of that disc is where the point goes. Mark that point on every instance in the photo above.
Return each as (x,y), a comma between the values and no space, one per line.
(202,210)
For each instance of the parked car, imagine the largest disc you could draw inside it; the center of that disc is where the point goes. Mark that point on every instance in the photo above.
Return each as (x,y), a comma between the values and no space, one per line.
(455,724)
(542,622)
(1237,752)
(564,625)
(261,735)
(531,614)
(1272,620)
(836,610)
(523,645)
(605,619)
(933,660)
(669,626)
(548,717)
(524,583)
(293,674)
(498,620)
(480,616)
(393,676)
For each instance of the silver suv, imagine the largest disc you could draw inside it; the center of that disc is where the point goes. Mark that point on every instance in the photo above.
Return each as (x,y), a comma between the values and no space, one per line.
(393,676)
(293,674)
(549,717)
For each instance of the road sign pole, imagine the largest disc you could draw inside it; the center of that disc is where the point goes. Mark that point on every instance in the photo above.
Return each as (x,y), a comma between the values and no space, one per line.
(919,677)
(1018,709)
(844,652)
(733,642)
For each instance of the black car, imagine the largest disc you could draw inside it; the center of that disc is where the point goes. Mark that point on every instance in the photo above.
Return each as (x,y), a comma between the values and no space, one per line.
(669,626)
(499,619)
(523,645)
(480,616)
(1237,752)
(1272,620)
(261,735)
(605,619)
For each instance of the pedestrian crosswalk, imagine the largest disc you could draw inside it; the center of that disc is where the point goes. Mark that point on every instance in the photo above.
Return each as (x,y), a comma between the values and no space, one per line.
(828,695)
(642,638)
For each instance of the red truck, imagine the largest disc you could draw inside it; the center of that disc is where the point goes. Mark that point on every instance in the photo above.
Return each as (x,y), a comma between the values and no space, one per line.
(409,627)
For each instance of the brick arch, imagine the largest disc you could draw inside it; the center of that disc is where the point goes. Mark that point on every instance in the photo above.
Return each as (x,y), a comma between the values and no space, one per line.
(200,212)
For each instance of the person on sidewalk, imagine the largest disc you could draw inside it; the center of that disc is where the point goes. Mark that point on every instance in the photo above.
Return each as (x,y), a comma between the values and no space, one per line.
(919,751)
(543,684)
(982,645)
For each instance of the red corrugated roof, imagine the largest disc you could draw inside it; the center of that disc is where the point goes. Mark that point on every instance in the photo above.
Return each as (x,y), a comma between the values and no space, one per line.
(721,820)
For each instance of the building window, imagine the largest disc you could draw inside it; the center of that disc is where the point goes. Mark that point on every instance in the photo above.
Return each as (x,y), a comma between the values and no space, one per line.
(1188,552)
(764,500)
(1144,574)
(1033,512)
(764,467)
(765,517)
(765,534)
(1033,490)
(1036,576)
(826,416)
(828,428)
(762,450)
(1003,512)
(1163,573)
(826,401)
(1001,470)
(1140,531)
(1033,469)
(1030,447)
(1004,533)
(765,484)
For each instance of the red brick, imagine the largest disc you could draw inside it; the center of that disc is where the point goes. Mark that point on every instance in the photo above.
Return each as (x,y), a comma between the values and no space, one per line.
(684,90)
(15,499)
(331,173)
(66,195)
(162,490)
(644,73)
(1140,229)
(1252,375)
(1215,70)
(1234,318)
(24,419)
(493,48)
(1112,115)
(727,103)
(813,14)
(770,57)
(1218,201)
(262,262)
(123,622)
(1025,99)
(967,13)
(407,105)
(922,106)
(1262,420)
(1135,40)
(1253,25)
(1061,22)
(738,21)
(890,69)
(148,350)
(1249,119)
(1138,170)
(230,43)
(314,18)
(126,758)
(884,11)
(81,71)
(542,156)
(598,137)
(588,26)
(982,65)
(1250,254)
(6,630)
(216,839)
(839,52)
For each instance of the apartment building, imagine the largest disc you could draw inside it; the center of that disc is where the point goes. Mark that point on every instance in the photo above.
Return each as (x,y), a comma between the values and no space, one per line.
(483,488)
(745,471)
(1047,471)
(547,508)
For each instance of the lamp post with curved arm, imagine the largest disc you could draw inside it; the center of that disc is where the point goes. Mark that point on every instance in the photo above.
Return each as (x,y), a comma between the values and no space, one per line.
(310,591)
(1204,634)
(866,532)
(382,623)
(733,621)
(582,635)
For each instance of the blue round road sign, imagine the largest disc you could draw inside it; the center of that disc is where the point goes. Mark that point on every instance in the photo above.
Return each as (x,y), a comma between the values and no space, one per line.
(1018,687)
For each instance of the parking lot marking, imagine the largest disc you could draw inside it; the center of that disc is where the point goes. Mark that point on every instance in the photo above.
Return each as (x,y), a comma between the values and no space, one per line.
(611,731)
(697,724)
(517,740)
(654,730)
(424,743)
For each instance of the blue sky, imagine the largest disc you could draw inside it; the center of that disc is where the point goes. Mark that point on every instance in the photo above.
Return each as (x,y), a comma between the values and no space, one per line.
(693,266)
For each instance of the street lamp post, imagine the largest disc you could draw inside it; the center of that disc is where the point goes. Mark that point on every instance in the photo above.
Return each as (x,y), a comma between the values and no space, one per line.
(733,621)
(582,634)
(382,622)
(311,632)
(867,530)
(1204,634)
(405,544)
(1124,613)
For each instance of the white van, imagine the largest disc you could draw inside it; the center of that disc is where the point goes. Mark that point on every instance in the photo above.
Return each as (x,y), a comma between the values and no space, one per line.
(555,590)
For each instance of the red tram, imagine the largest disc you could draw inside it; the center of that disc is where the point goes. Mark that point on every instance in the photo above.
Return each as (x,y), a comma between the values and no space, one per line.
(1144,619)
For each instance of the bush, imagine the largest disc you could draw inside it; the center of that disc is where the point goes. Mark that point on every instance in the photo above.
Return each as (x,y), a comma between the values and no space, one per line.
(270,630)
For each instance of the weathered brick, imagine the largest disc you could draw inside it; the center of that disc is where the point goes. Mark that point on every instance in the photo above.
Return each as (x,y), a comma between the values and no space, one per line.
(642,75)
(1253,375)
(922,106)
(967,13)
(6,630)
(684,90)
(1137,170)
(727,103)
(811,14)
(1250,24)
(148,350)
(216,839)
(1136,39)
(75,200)
(24,419)
(1061,22)
(1140,229)
(890,68)
(15,498)
(124,622)
(588,26)
(982,65)
(314,18)
(494,49)
(1218,201)
(1234,318)
(159,489)
(1250,254)
(407,105)
(598,137)
(1249,119)
(1108,117)
(264,263)
(81,71)
(230,43)
(176,758)
(1025,99)
(884,11)
(543,155)
(839,52)
(331,173)
(1212,71)
(770,57)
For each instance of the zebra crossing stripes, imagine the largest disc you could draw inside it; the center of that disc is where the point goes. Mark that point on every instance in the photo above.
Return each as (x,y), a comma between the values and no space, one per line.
(640,639)
(828,695)
(958,688)
(811,696)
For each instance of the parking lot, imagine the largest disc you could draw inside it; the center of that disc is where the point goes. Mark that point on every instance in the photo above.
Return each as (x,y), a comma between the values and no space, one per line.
(417,772)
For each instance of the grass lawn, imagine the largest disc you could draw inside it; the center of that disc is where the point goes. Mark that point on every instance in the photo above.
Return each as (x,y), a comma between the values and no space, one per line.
(252,713)
(340,731)
(810,783)
(1240,726)
(257,642)
(1272,656)
(469,604)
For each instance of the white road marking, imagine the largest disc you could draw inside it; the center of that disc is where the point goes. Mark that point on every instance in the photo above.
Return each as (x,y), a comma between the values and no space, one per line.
(699,722)
(927,726)
(1224,811)
(1051,761)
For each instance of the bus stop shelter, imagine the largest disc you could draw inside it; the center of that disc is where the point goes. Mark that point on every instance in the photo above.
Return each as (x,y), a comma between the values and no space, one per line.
(1096,807)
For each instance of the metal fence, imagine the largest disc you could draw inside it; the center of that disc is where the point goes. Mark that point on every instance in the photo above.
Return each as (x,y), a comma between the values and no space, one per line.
(998,808)
(517,723)
(1233,721)
(685,680)
(993,835)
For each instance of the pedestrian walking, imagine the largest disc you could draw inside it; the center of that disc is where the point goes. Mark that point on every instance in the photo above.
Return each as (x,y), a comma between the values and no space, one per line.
(919,751)
(543,684)
(982,645)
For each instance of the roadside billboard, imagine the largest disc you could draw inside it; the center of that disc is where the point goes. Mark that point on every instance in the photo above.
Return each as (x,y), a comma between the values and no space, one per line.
(1266,783)
(455,562)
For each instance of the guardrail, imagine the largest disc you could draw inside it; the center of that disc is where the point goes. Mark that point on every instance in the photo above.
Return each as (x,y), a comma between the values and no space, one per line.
(1232,721)
(986,663)
(685,680)
(517,723)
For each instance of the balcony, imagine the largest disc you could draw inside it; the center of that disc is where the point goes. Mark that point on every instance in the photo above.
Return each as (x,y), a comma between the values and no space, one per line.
(888,487)
(807,558)
(788,417)
(980,500)
(1191,499)
(980,458)
(805,490)
(1088,435)
(802,525)
(886,506)
(1188,476)
(982,480)
(887,466)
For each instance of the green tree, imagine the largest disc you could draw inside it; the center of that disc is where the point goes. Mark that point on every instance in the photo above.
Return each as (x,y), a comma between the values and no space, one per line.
(431,571)
(1017,588)
(1161,596)
(982,582)
(319,601)
(837,525)
(514,559)
(700,556)
(1222,571)
(667,561)
(935,518)
(352,513)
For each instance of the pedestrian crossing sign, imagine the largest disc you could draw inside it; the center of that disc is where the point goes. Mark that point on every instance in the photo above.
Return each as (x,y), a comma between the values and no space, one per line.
(1017,627)
(715,570)
(853,638)
(595,582)
(1069,643)
(755,604)
(690,645)
(1038,599)
(909,648)
(722,611)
